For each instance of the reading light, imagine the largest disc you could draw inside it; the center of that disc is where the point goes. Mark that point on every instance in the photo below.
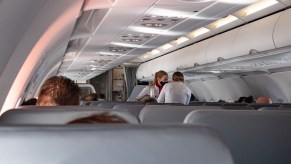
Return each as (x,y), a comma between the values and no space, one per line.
(258,6)
(224,21)
(199,32)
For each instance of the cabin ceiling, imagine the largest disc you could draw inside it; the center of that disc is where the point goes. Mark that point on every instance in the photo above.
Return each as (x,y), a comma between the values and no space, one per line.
(112,32)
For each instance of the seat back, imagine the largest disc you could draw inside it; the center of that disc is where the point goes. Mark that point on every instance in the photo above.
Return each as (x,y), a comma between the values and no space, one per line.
(255,137)
(274,108)
(111,104)
(134,108)
(111,144)
(167,113)
(56,115)
(134,93)
(258,106)
(229,107)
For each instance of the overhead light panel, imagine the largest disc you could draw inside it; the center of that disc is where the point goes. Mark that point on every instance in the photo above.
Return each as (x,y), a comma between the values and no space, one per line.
(223,21)
(155,51)
(181,40)
(258,6)
(145,56)
(199,32)
(166,46)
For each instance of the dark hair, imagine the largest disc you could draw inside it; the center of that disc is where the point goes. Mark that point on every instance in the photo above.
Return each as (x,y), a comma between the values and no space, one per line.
(59,90)
(102,96)
(178,76)
(91,97)
(31,101)
(150,100)
(98,118)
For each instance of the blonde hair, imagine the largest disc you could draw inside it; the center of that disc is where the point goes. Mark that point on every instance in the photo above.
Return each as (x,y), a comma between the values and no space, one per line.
(159,74)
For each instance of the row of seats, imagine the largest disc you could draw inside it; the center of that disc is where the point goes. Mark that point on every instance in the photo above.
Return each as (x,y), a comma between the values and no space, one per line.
(111,104)
(133,113)
(111,144)
(253,136)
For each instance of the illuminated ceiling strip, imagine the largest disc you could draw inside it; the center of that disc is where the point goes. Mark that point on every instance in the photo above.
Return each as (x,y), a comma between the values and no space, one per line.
(166,46)
(182,40)
(199,32)
(223,21)
(258,6)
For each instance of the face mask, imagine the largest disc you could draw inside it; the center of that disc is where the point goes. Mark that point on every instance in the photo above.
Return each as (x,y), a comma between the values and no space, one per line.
(163,83)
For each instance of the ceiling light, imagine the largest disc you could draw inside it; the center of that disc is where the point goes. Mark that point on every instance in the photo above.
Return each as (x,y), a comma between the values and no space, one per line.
(181,40)
(258,6)
(145,56)
(166,46)
(155,51)
(199,32)
(224,21)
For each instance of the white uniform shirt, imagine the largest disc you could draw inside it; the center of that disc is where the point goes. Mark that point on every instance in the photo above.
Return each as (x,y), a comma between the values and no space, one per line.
(175,92)
(146,91)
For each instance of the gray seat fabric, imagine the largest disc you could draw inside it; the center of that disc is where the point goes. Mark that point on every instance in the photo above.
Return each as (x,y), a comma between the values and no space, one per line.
(111,104)
(255,137)
(229,107)
(258,106)
(274,108)
(167,113)
(56,115)
(112,144)
(134,108)
(95,103)
(134,93)
(234,104)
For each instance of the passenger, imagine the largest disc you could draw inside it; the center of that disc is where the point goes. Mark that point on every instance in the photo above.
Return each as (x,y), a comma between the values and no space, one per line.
(153,89)
(249,99)
(59,90)
(175,92)
(263,100)
(101,97)
(91,97)
(150,100)
(241,100)
(98,118)
(31,101)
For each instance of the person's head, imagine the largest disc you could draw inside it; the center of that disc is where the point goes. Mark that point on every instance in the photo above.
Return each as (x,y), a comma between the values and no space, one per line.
(59,90)
(99,118)
(161,78)
(31,101)
(150,100)
(241,100)
(178,77)
(102,96)
(263,100)
(91,97)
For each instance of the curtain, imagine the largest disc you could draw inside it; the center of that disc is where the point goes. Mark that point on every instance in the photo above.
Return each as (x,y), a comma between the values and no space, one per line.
(130,78)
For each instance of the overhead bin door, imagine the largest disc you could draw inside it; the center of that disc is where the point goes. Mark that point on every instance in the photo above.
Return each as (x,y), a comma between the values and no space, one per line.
(282,34)
(257,35)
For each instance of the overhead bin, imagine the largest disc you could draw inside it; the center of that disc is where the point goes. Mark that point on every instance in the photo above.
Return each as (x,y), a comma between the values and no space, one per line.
(221,46)
(282,34)
(186,57)
(257,35)
(265,34)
